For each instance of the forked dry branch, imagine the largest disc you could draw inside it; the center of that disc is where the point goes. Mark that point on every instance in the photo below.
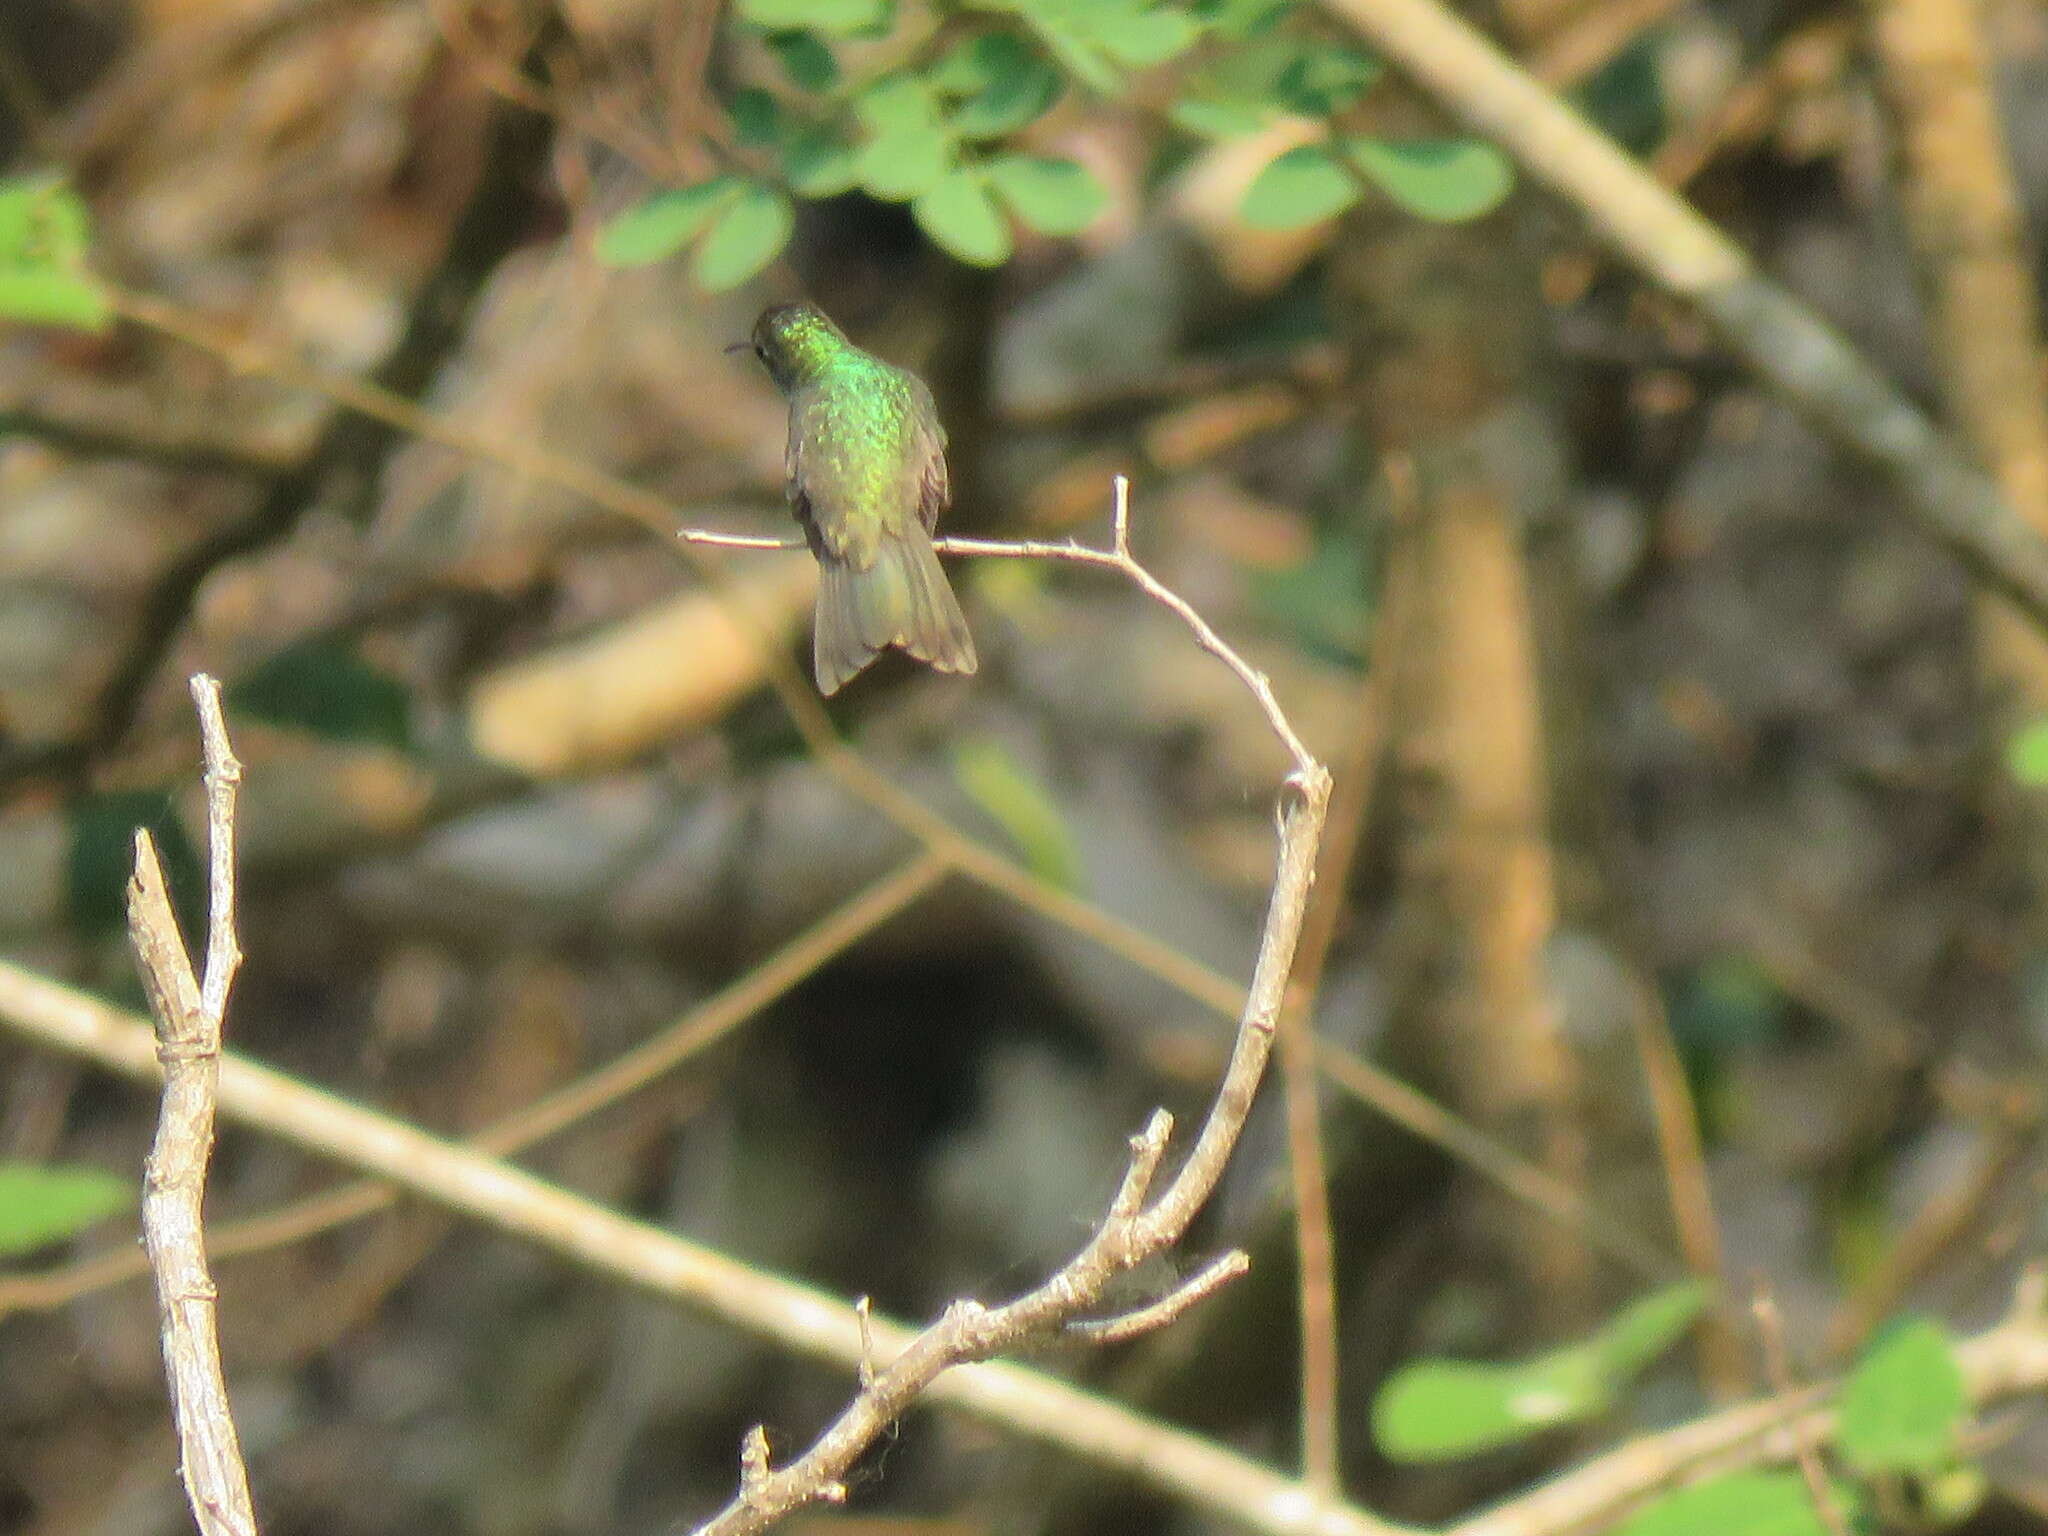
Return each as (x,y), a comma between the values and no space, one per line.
(189,1009)
(1139,1224)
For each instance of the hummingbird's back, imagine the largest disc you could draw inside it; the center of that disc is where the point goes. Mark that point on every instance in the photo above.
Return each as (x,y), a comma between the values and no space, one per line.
(867,481)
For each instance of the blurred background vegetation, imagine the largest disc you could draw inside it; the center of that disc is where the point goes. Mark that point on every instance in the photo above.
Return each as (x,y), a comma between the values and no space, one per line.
(1688,839)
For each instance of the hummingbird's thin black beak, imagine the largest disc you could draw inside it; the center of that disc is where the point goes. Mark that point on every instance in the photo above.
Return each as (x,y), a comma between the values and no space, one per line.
(739,346)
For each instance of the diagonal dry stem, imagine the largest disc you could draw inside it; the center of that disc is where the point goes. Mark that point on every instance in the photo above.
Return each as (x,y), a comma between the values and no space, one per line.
(684,1040)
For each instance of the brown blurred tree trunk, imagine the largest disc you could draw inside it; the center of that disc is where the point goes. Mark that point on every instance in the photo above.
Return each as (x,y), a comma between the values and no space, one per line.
(1967,231)
(1441,322)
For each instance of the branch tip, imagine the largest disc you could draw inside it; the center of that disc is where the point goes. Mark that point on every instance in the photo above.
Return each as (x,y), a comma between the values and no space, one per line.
(1206,1281)
(753,1461)
(864,1314)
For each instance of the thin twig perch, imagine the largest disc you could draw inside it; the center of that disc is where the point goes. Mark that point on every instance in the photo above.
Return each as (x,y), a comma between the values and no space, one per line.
(189,1010)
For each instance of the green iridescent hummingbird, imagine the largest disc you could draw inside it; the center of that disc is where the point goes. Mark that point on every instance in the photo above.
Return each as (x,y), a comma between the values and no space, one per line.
(867,481)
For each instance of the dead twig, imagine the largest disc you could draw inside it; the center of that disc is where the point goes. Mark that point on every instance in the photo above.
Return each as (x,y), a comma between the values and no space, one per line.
(183,453)
(1205,1282)
(189,1010)
(1770,1327)
(1139,1224)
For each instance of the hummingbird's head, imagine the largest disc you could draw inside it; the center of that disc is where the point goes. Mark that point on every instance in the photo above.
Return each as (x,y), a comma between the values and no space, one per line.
(796,342)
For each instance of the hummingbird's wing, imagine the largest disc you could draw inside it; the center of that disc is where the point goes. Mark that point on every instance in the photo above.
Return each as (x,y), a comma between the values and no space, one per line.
(858,470)
(823,475)
(934,488)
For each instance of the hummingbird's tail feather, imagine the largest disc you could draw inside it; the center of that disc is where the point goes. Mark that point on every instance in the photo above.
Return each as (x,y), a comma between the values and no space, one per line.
(903,599)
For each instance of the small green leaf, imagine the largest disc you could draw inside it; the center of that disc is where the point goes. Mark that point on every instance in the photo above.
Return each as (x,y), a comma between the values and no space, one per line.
(42,222)
(1433,1410)
(665,223)
(1218,117)
(1240,19)
(908,148)
(1727,1003)
(44,234)
(1139,39)
(1436,1409)
(1326,600)
(1055,197)
(1647,1328)
(819,163)
(1904,1404)
(810,65)
(1072,46)
(1015,88)
(1302,186)
(102,853)
(903,165)
(40,1205)
(971,66)
(896,103)
(960,217)
(2026,754)
(1740,1504)
(1323,81)
(54,298)
(990,775)
(748,235)
(757,118)
(1443,180)
(838,17)
(324,688)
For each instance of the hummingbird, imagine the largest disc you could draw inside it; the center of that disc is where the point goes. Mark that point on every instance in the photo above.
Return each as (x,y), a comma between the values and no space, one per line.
(866,471)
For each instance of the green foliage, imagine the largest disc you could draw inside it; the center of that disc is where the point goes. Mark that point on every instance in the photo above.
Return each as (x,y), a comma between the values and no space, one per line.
(102,853)
(809,64)
(963,219)
(1054,197)
(1001,85)
(1740,1504)
(665,223)
(916,132)
(756,117)
(1240,19)
(1239,89)
(324,688)
(44,236)
(747,235)
(2026,754)
(908,147)
(819,163)
(1442,180)
(1903,1407)
(937,126)
(990,775)
(40,1205)
(1435,1409)
(1095,39)
(1326,601)
(1300,187)
(835,18)
(1728,1002)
